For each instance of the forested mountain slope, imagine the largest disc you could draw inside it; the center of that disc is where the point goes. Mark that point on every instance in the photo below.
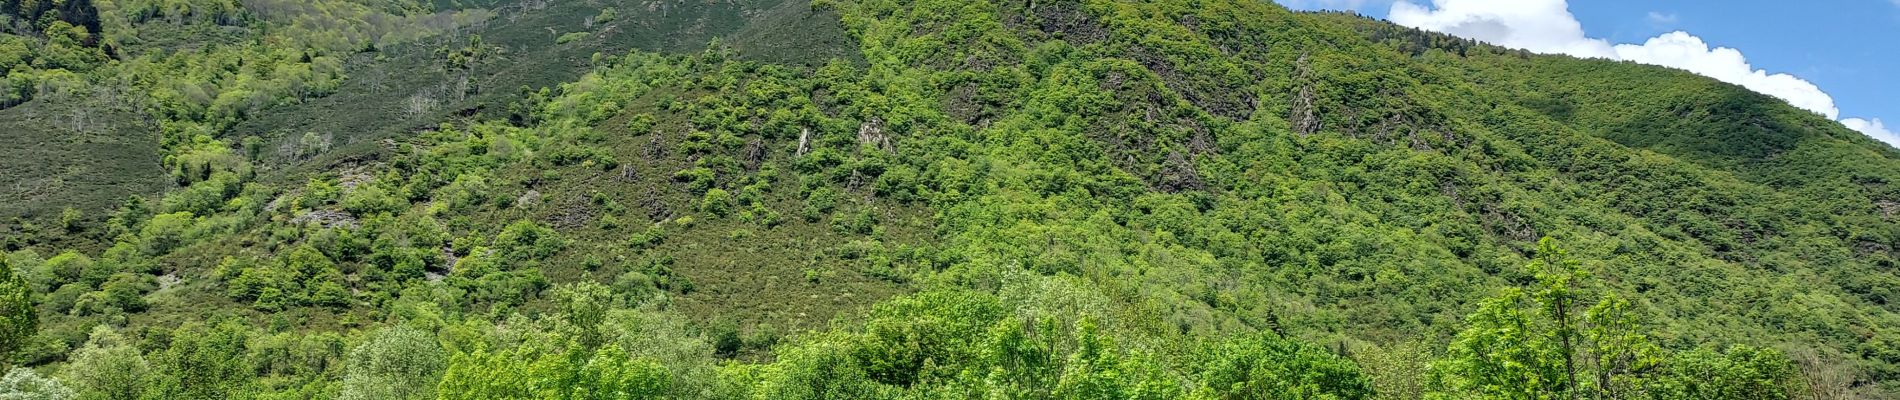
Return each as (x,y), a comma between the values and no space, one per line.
(913,199)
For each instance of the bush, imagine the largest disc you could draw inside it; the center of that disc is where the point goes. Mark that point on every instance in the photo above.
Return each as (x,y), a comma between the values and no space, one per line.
(526,240)
(467,192)
(819,202)
(717,202)
(697,179)
(571,37)
(318,192)
(165,232)
(63,300)
(71,267)
(24,384)
(71,220)
(203,197)
(862,222)
(369,199)
(1266,363)
(108,367)
(641,124)
(725,337)
(763,216)
(654,235)
(126,291)
(899,183)
(397,362)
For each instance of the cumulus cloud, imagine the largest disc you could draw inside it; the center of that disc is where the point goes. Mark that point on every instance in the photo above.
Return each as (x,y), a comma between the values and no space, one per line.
(1544,26)
(1687,52)
(1547,26)
(1874,129)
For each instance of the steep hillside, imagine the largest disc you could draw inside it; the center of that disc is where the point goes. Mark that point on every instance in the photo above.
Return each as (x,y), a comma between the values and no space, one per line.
(82,148)
(953,199)
(406,88)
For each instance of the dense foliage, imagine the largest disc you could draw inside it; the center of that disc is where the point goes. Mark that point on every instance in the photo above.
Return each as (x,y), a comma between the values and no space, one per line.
(1048,199)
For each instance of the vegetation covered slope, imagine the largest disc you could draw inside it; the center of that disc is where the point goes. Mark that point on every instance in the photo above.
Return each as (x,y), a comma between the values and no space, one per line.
(1067,199)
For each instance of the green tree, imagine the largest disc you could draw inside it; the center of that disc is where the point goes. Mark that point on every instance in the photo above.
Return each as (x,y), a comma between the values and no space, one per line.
(18,319)
(485,375)
(370,198)
(24,384)
(204,363)
(1558,276)
(1525,345)
(1538,345)
(72,266)
(584,306)
(1619,350)
(397,362)
(1266,366)
(570,373)
(614,374)
(72,220)
(1738,372)
(125,291)
(1502,355)
(107,367)
(717,202)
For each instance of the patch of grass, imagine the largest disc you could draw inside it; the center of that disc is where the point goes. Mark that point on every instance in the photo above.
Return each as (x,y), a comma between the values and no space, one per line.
(80,150)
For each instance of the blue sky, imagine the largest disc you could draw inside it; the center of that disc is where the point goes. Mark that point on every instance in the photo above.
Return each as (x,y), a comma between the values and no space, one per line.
(1841,56)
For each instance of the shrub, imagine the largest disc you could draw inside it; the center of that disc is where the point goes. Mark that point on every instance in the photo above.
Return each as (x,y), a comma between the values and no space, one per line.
(126,291)
(726,340)
(370,199)
(571,37)
(165,232)
(24,384)
(641,124)
(397,362)
(70,267)
(527,240)
(697,179)
(819,202)
(654,235)
(717,203)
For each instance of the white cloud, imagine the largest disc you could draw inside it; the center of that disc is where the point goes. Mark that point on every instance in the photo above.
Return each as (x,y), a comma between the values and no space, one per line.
(1547,26)
(1687,52)
(1874,129)
(1660,19)
(1543,26)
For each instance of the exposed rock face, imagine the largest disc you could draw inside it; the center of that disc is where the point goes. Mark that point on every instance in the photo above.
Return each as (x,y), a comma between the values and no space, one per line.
(1179,175)
(326,218)
(1068,21)
(1305,115)
(804,141)
(754,154)
(529,199)
(872,133)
